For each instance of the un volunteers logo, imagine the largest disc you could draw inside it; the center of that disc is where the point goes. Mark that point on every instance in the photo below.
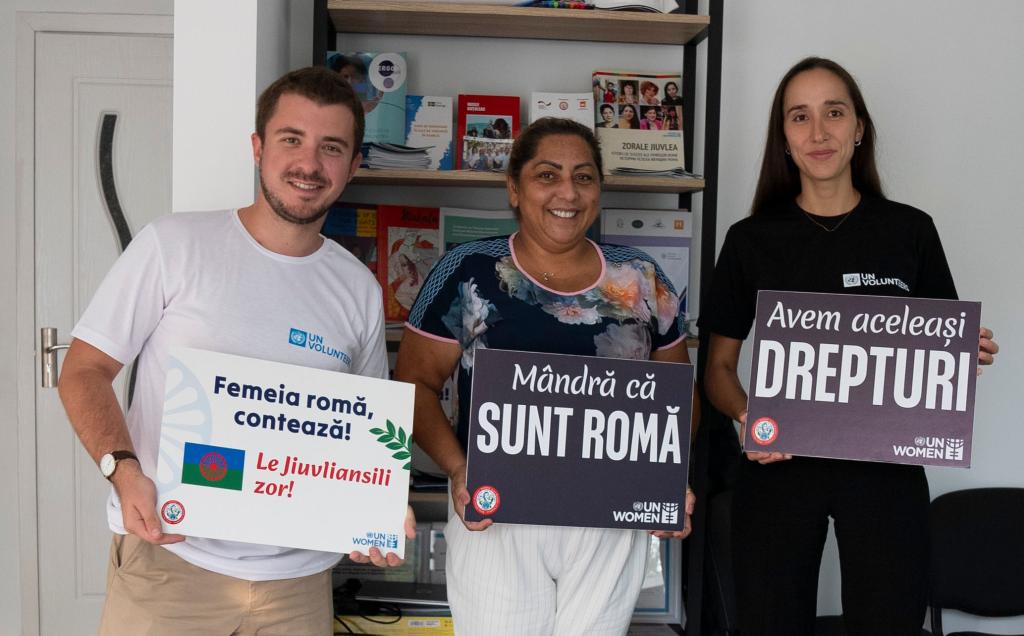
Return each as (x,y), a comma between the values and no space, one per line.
(486,500)
(297,337)
(764,430)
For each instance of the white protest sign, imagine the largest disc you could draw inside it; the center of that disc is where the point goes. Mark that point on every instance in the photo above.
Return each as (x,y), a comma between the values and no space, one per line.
(278,454)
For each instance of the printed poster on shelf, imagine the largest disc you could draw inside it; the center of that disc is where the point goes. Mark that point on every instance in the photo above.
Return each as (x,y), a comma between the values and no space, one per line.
(874,378)
(354,227)
(428,123)
(664,235)
(578,107)
(461,225)
(408,242)
(487,125)
(379,79)
(279,454)
(639,120)
(578,441)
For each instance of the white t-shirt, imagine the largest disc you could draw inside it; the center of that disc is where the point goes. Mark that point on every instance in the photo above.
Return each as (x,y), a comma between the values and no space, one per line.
(200,280)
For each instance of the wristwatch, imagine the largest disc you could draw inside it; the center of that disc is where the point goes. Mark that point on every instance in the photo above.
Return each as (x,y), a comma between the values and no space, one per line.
(108,463)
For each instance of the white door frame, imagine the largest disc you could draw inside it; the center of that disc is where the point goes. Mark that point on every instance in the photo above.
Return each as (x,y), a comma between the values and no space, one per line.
(28,26)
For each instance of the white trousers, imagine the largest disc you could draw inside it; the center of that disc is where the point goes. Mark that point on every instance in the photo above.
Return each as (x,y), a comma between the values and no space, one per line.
(520,580)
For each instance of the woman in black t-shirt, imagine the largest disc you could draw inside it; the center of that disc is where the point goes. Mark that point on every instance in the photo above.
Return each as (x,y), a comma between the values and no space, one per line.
(819,213)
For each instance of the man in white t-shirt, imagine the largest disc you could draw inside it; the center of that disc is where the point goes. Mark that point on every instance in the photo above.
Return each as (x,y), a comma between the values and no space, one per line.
(234,281)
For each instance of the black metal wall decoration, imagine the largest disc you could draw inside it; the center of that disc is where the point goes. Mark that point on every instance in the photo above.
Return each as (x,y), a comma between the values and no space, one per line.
(109,188)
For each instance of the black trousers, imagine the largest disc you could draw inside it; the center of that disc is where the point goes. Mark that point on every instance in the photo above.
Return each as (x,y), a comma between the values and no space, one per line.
(780,521)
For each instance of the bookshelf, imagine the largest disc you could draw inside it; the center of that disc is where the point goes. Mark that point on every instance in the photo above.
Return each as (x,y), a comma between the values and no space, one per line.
(394,335)
(686,28)
(476,179)
(454,19)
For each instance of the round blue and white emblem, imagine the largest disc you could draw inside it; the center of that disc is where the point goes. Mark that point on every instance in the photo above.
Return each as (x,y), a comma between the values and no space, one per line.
(486,500)
(764,430)
(173,512)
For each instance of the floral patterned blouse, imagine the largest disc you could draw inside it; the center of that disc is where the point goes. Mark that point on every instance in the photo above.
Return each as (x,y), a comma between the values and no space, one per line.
(478,296)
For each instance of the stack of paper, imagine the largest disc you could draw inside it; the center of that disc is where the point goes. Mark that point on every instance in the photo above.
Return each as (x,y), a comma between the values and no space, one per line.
(396,156)
(641,172)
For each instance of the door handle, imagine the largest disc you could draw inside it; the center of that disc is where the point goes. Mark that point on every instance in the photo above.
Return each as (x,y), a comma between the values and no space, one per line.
(48,348)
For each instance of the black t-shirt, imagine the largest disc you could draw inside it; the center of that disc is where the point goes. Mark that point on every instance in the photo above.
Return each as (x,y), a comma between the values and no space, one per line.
(881,248)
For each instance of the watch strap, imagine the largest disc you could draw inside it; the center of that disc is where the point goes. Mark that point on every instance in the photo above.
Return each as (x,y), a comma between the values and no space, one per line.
(118,455)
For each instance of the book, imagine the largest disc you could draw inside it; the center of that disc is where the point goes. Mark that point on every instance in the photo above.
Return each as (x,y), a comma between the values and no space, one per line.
(656,6)
(379,79)
(407,248)
(354,227)
(578,107)
(663,234)
(461,225)
(487,124)
(639,121)
(428,124)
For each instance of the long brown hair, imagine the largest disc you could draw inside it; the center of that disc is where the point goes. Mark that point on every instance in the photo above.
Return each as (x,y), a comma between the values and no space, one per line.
(779,180)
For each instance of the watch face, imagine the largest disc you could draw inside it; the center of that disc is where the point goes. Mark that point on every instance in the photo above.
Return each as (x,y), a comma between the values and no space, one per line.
(107,464)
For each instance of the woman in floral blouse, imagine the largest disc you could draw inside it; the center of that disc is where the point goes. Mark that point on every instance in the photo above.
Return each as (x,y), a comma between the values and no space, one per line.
(546,288)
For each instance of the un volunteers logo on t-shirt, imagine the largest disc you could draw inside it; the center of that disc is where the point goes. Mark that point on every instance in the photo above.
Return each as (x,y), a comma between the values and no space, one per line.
(873,280)
(315,342)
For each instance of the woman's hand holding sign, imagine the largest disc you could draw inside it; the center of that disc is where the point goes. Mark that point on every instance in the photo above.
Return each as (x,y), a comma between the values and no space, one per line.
(460,497)
(691,499)
(987,348)
(758,456)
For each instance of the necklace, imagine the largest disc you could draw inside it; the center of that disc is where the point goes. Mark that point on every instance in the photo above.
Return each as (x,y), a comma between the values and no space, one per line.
(822,225)
(547,276)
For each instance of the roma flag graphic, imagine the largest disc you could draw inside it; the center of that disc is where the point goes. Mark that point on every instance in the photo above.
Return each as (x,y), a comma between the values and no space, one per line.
(214,466)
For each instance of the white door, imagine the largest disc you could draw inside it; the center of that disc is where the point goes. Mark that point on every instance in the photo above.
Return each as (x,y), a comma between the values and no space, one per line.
(80,78)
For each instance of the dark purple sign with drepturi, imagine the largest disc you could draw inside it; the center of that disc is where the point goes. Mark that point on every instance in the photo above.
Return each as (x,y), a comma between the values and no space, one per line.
(873,378)
(578,441)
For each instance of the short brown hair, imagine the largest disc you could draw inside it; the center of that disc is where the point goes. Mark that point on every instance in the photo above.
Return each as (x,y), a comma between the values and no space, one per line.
(316,83)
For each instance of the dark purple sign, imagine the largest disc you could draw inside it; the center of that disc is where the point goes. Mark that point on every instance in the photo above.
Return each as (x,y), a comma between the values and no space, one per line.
(874,378)
(578,441)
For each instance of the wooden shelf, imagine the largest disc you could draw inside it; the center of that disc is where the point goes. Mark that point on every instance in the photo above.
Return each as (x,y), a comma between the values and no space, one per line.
(419,496)
(475,179)
(435,18)
(395,335)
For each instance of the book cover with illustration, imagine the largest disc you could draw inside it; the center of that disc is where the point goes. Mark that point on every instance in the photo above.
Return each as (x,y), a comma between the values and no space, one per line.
(354,226)
(407,248)
(428,124)
(663,234)
(639,120)
(379,80)
(487,124)
(578,107)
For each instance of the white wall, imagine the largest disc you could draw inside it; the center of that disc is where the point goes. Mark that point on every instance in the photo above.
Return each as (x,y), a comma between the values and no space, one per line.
(12,542)
(214,89)
(225,54)
(943,82)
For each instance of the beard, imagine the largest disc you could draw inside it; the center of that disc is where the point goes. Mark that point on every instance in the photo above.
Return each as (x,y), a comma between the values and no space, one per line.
(293,214)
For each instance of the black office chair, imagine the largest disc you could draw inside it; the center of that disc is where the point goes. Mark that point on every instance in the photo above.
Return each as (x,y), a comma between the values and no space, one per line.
(977,558)
(834,626)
